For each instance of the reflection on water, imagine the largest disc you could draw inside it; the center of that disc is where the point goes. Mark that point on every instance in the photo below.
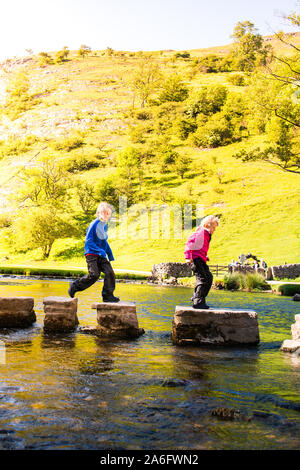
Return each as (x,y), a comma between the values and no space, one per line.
(74,391)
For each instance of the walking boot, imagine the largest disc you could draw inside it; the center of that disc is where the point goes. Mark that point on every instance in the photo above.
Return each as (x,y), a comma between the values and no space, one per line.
(72,290)
(111,298)
(201,304)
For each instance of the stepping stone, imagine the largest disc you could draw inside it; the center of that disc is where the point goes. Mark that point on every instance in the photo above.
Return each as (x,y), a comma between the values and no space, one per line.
(16,312)
(117,319)
(60,314)
(225,327)
(290,345)
(295,328)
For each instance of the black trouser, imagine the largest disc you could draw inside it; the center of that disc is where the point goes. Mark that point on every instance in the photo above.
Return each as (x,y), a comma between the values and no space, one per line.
(96,265)
(204,280)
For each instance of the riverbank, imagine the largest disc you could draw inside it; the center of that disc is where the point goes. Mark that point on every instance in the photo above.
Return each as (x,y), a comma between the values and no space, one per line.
(140,277)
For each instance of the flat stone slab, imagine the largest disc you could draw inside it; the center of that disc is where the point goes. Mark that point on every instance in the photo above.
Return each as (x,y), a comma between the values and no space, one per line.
(60,314)
(290,345)
(16,312)
(214,326)
(117,319)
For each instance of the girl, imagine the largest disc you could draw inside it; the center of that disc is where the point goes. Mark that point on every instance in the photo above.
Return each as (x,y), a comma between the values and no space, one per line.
(195,253)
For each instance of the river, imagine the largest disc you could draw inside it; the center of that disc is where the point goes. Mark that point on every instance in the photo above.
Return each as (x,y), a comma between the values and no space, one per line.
(76,391)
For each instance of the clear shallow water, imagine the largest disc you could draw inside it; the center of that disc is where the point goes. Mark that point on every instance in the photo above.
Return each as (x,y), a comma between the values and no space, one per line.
(74,391)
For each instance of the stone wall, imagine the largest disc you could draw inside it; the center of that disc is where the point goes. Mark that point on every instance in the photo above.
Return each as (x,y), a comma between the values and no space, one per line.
(290,271)
(163,271)
(244,269)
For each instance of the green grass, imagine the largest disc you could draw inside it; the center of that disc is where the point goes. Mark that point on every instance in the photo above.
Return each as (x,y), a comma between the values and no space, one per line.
(59,273)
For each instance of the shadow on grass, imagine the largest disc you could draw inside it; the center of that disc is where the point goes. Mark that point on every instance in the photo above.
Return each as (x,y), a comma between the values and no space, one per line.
(71,252)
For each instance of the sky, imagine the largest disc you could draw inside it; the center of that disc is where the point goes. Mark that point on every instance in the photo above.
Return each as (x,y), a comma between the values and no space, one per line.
(133,25)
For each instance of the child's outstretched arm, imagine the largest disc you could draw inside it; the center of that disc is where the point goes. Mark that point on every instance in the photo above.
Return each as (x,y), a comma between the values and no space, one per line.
(109,252)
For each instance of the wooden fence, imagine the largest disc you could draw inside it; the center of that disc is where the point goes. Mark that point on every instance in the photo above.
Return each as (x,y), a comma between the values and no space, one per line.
(218,269)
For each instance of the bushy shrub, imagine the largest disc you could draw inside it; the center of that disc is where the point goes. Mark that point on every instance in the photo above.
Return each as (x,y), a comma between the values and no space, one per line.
(236,79)
(256,281)
(5,221)
(173,89)
(289,289)
(17,146)
(80,163)
(68,144)
(232,281)
(249,281)
(208,100)
(217,131)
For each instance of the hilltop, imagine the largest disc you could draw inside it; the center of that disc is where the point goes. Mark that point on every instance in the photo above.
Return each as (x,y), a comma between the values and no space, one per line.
(89,98)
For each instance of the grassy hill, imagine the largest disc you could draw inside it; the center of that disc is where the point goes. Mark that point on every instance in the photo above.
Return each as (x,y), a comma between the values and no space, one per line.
(90,98)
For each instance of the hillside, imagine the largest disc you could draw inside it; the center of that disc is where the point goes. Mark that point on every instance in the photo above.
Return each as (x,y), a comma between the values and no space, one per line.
(90,99)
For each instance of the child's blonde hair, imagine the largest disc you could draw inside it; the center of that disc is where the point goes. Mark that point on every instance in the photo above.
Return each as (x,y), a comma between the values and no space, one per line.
(102,208)
(208,221)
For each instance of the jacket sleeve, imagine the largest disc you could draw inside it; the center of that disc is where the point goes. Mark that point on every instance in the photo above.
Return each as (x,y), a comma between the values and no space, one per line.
(109,252)
(195,242)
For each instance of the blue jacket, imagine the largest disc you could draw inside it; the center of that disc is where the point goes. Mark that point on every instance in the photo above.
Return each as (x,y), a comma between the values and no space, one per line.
(96,240)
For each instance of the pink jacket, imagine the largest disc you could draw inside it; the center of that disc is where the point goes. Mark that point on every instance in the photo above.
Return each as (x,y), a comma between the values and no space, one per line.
(197,245)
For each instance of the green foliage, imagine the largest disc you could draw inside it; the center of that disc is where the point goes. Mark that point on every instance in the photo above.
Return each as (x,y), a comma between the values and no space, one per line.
(43,226)
(236,79)
(182,55)
(208,100)
(19,97)
(279,152)
(80,162)
(61,56)
(45,59)
(249,281)
(173,89)
(233,281)
(250,49)
(146,80)
(5,220)
(17,146)
(213,63)
(84,50)
(289,289)
(46,184)
(182,164)
(68,144)
(183,127)
(217,131)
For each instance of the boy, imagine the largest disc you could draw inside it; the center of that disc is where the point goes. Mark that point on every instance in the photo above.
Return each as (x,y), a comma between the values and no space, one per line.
(195,253)
(96,248)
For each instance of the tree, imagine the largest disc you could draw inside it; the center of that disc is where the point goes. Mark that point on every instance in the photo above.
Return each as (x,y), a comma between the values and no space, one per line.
(208,100)
(45,184)
(86,197)
(274,107)
(61,56)
(84,50)
(280,149)
(249,46)
(45,58)
(146,80)
(173,89)
(43,226)
(128,162)
(43,203)
(182,165)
